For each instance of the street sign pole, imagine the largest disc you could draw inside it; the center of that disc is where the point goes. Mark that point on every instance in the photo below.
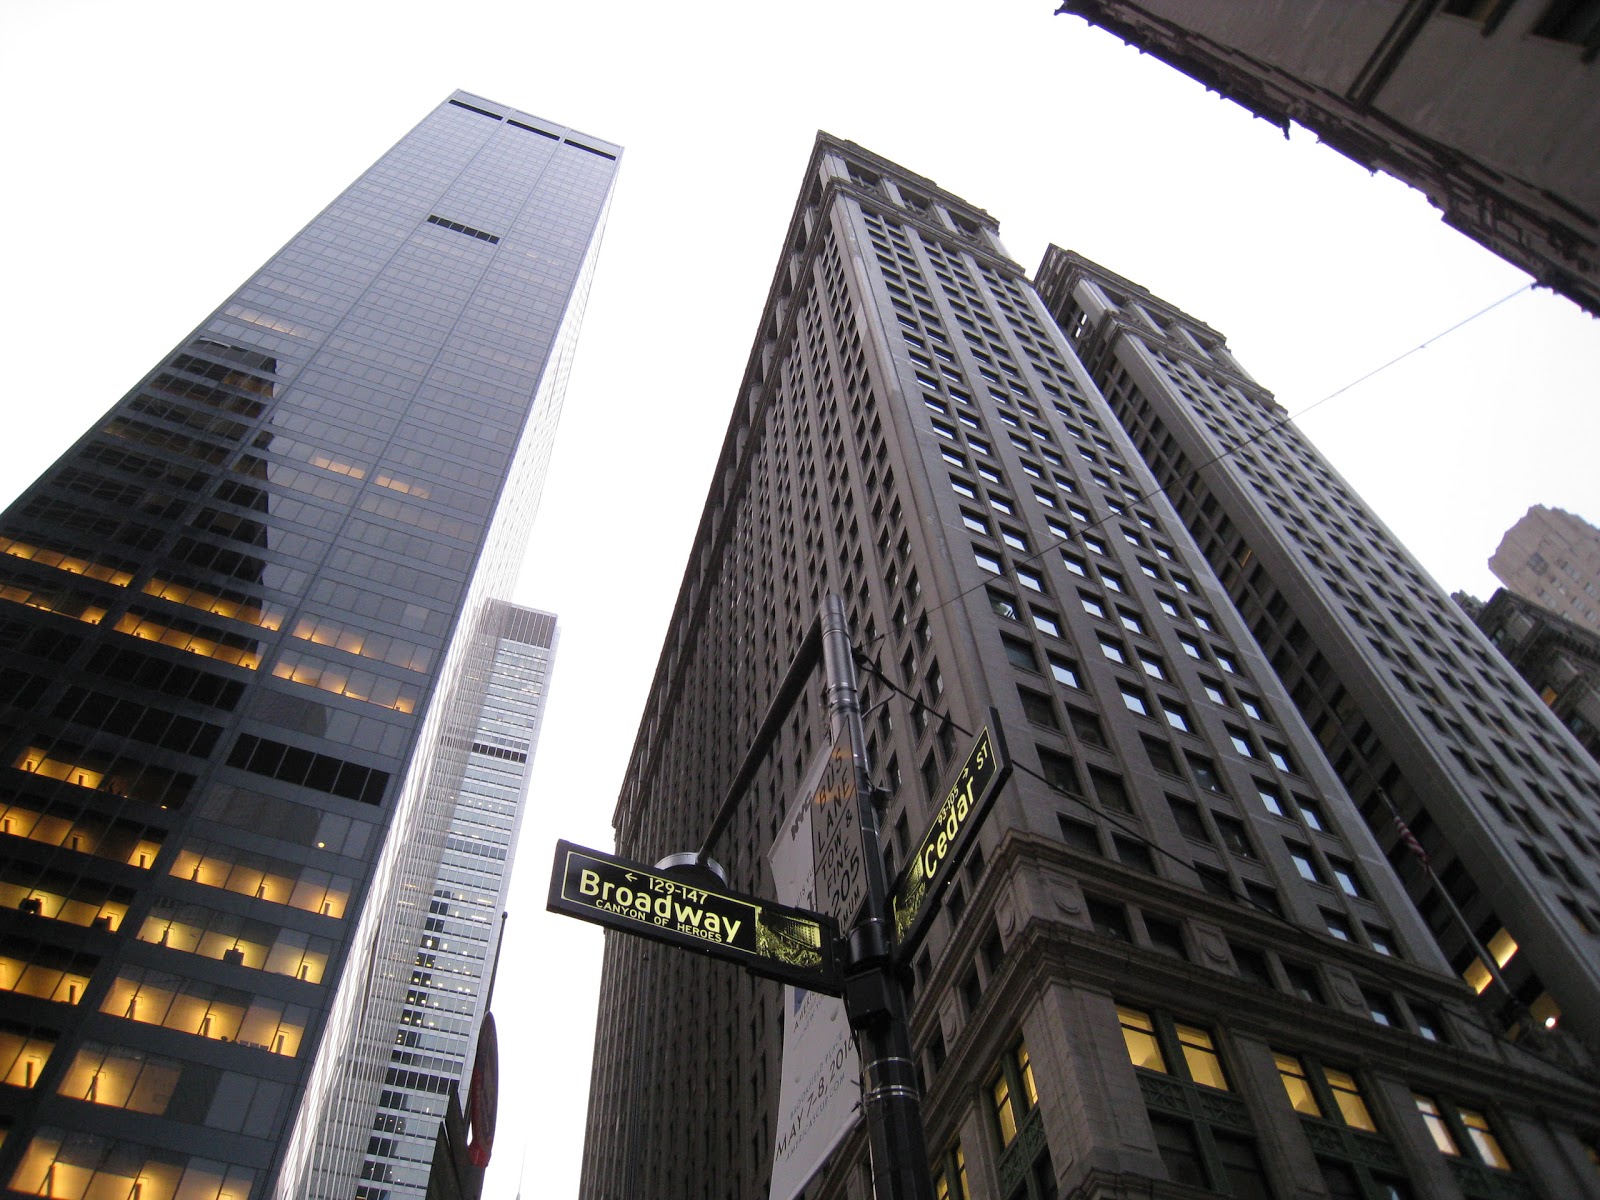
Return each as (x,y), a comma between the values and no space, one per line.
(678,901)
(875,999)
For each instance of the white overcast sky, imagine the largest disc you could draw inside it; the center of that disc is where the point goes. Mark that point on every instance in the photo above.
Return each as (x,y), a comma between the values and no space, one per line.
(154,154)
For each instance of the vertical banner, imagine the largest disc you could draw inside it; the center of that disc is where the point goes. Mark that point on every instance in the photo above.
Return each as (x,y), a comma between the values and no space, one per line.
(837,863)
(819,1095)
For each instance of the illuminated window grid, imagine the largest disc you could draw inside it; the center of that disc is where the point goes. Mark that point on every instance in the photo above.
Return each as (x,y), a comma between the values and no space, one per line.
(206,1010)
(80,833)
(80,1166)
(269,879)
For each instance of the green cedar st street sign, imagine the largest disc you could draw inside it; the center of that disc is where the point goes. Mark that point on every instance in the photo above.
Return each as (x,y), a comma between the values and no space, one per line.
(914,898)
(788,944)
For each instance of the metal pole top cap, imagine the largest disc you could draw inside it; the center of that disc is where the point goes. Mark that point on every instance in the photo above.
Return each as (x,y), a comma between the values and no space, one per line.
(691,868)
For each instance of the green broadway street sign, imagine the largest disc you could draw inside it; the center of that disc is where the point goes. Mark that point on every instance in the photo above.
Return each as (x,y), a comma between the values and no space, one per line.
(914,898)
(787,944)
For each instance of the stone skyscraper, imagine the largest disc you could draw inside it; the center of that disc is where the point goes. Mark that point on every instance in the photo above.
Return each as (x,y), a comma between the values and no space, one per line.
(1408,700)
(1177,962)
(237,672)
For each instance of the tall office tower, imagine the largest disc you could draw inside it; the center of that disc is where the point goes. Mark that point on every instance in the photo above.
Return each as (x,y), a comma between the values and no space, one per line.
(1406,696)
(1559,658)
(433,1045)
(1176,955)
(235,618)
(1488,107)
(1552,557)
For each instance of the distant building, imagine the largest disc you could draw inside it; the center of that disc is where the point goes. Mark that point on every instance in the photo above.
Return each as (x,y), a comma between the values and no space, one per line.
(1553,558)
(1468,603)
(459,943)
(1175,962)
(1488,107)
(1559,659)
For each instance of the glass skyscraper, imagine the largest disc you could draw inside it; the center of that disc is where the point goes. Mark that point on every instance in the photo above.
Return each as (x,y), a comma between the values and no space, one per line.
(239,684)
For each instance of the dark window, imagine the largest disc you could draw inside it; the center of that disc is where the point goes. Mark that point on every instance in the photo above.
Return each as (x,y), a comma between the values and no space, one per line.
(1109,919)
(1020,654)
(1241,1167)
(1261,896)
(1160,756)
(955,904)
(1340,1181)
(1134,854)
(1204,772)
(1110,790)
(1079,834)
(1231,831)
(1043,1174)
(1166,936)
(993,951)
(971,991)
(1058,771)
(1252,964)
(1087,726)
(1575,21)
(1303,982)
(1038,709)
(291,764)
(1180,1152)
(1186,813)
(467,229)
